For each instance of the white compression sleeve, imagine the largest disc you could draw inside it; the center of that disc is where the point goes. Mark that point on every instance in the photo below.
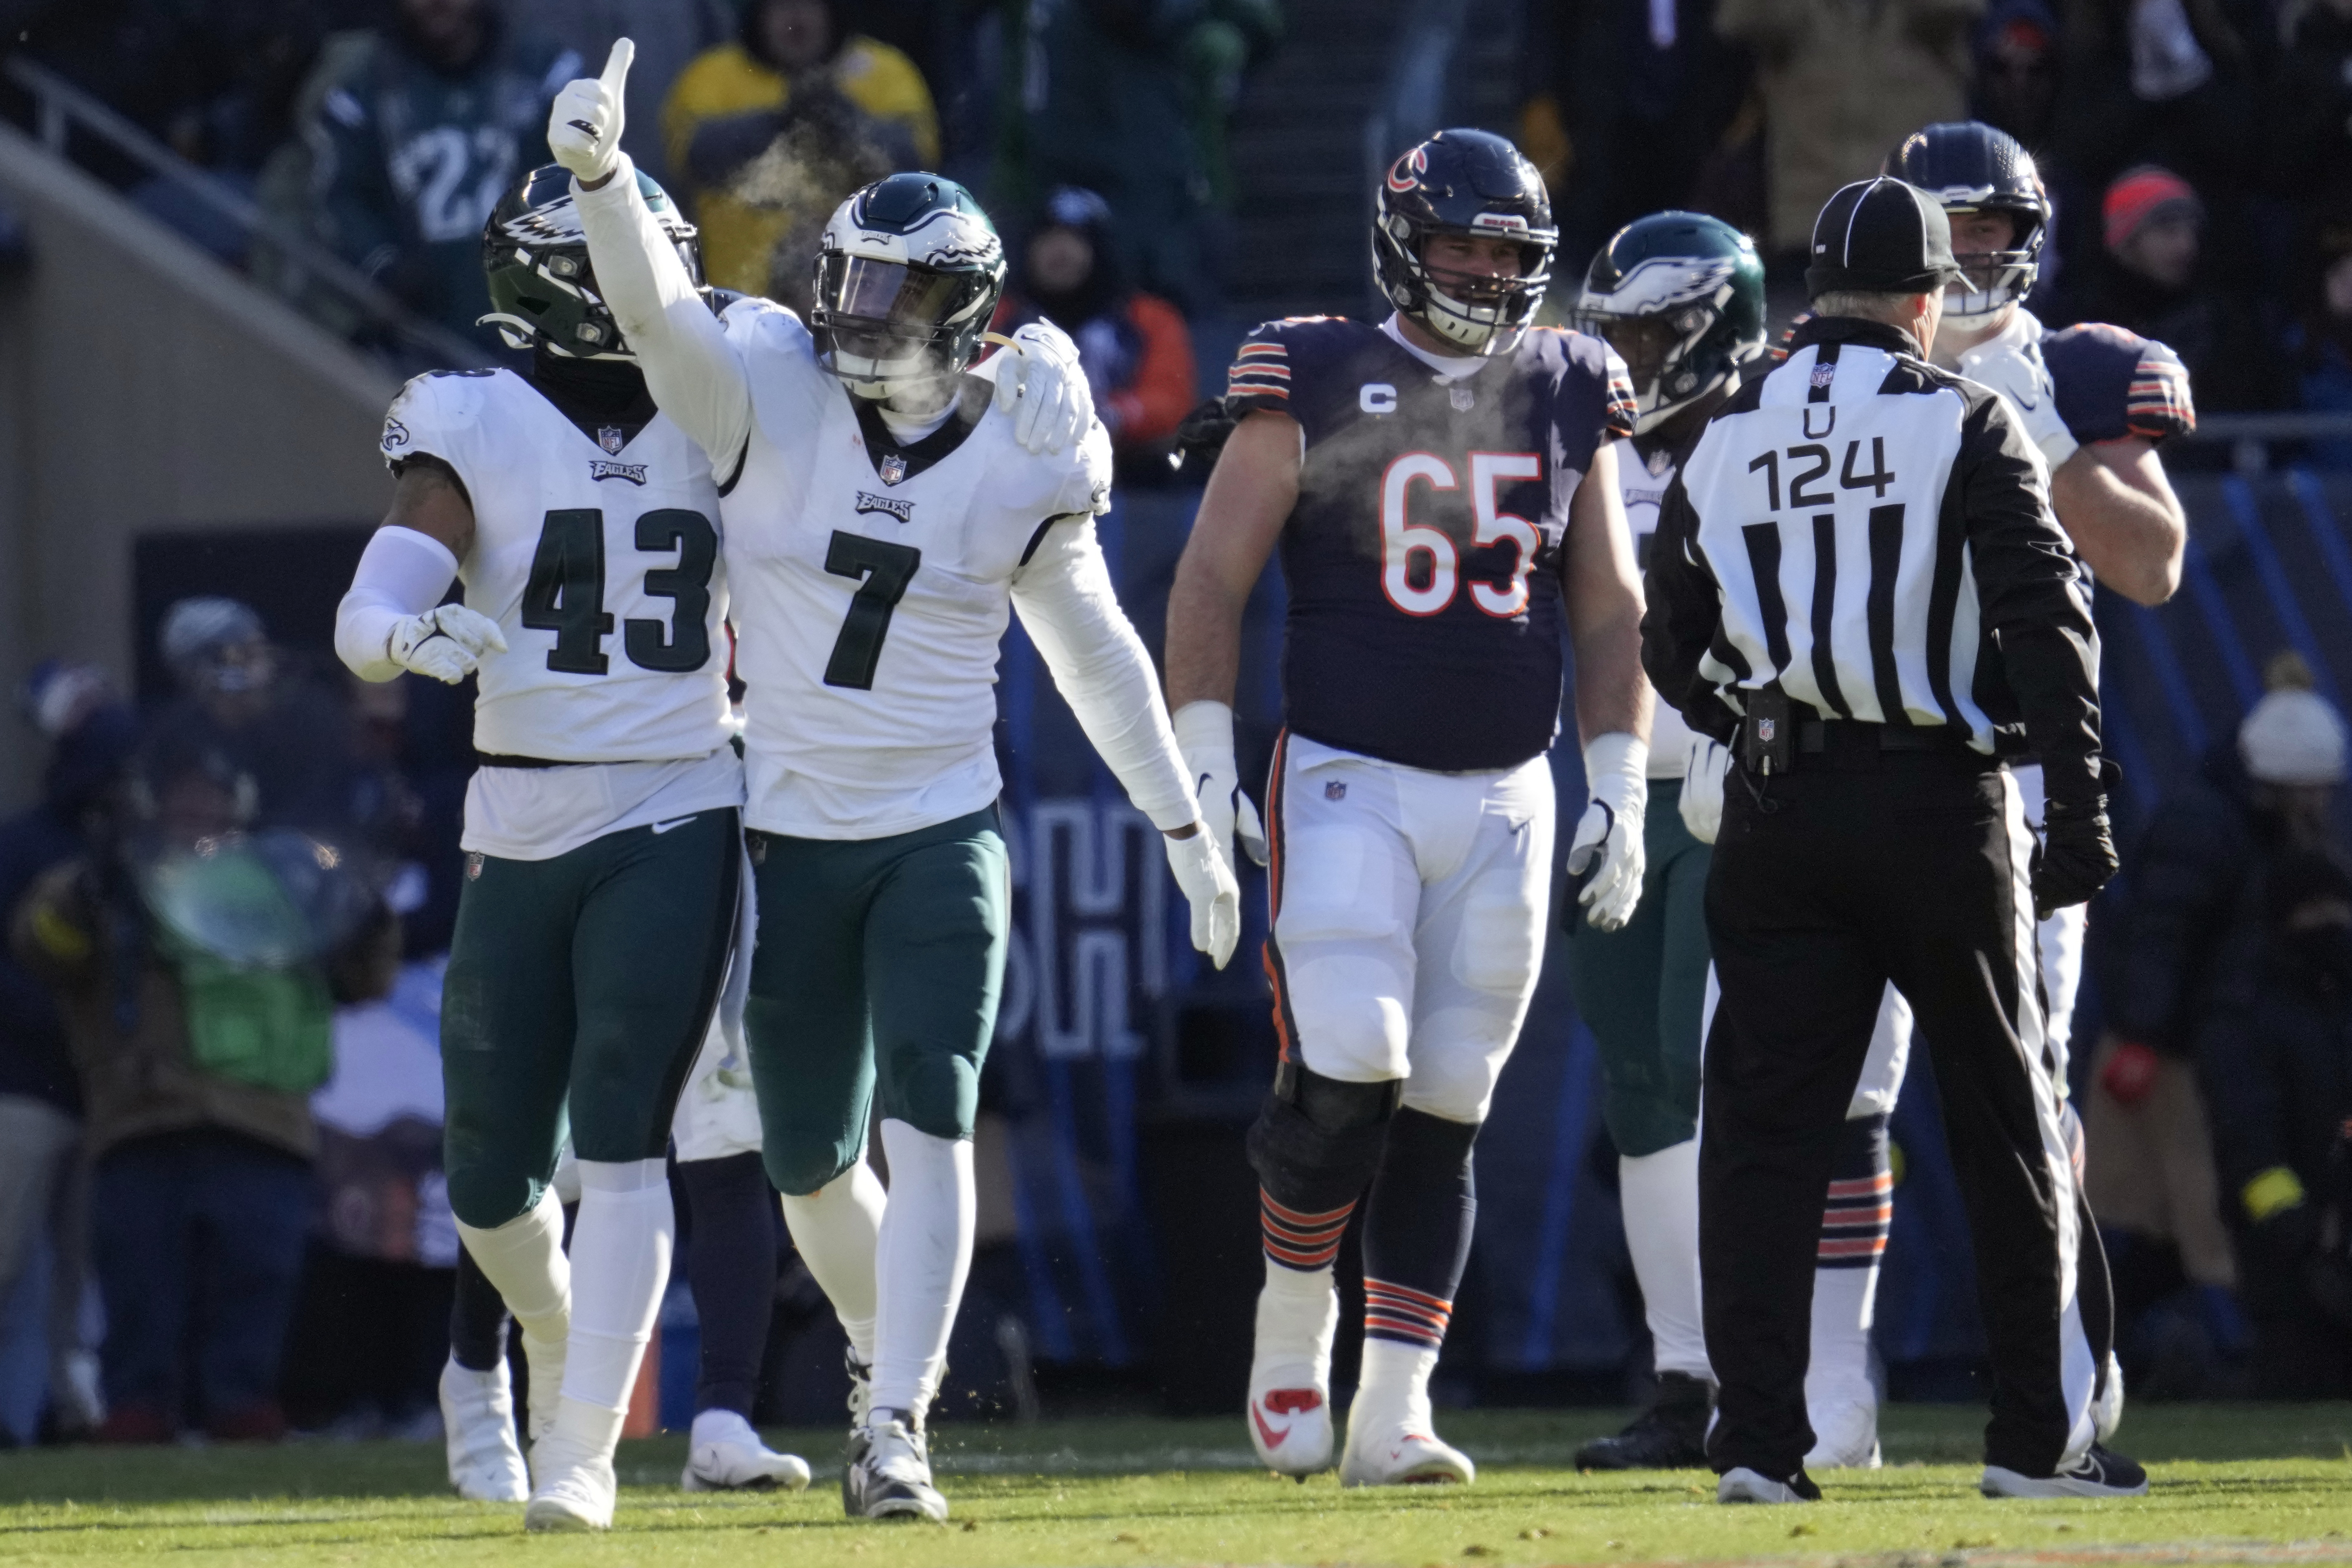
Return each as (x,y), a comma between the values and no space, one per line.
(401,574)
(925,1251)
(689,366)
(620,1266)
(1072,613)
(837,1228)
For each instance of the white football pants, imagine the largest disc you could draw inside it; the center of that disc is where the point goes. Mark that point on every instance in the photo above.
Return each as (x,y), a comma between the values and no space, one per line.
(1408,919)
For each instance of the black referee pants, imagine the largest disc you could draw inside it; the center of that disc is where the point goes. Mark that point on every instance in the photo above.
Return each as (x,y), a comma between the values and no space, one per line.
(1857,868)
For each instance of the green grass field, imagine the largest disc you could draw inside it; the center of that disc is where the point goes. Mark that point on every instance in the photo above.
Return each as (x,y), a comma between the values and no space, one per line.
(2241,1483)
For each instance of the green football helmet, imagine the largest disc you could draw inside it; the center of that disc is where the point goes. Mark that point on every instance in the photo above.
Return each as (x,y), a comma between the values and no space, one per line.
(1680,297)
(542,290)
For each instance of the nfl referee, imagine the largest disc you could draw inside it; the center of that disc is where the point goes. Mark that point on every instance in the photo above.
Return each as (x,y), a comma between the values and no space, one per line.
(1858,586)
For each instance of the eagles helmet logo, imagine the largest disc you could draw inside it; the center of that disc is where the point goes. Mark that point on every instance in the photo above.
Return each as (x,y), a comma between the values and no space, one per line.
(893,468)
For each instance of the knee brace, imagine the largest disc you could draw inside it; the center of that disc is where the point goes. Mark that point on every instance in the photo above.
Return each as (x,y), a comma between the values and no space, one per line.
(1314,1146)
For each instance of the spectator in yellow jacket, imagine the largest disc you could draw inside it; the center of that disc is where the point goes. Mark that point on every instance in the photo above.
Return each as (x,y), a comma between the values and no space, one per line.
(769,133)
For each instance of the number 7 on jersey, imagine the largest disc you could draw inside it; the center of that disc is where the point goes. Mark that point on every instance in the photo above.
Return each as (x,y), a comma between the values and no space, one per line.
(884,570)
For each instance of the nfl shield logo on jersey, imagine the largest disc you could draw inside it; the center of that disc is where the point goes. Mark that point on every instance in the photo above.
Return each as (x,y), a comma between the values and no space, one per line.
(1462,399)
(894,469)
(1334,791)
(1765,728)
(610,438)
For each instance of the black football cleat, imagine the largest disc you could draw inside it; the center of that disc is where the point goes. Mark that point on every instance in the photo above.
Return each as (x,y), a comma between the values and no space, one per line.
(1671,1435)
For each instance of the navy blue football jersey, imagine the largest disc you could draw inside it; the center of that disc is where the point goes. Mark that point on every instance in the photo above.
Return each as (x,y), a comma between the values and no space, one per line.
(1423,557)
(2113,383)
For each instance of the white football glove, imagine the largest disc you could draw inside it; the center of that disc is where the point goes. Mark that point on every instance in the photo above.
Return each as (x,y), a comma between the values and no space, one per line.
(1204,734)
(447,643)
(1042,385)
(1208,887)
(2021,378)
(583,128)
(1705,769)
(1607,842)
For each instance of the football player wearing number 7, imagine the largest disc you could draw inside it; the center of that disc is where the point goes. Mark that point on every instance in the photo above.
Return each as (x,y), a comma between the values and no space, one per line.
(602,831)
(880,526)
(1443,490)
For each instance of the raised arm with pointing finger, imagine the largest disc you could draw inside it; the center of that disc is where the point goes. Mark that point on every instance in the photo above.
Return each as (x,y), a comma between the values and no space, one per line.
(669,321)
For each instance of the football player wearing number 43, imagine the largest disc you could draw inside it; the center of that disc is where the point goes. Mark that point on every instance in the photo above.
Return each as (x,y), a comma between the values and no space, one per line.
(603,835)
(880,525)
(1443,490)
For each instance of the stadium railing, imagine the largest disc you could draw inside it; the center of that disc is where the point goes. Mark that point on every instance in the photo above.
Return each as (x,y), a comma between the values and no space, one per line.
(61,110)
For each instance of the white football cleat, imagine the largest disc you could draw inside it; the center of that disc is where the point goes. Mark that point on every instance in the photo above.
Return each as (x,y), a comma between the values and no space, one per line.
(889,1472)
(1291,1429)
(1845,1436)
(726,1454)
(478,1425)
(1403,1455)
(1290,1374)
(574,1492)
(572,1469)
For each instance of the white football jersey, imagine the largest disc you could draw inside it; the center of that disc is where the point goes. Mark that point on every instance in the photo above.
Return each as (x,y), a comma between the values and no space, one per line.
(599,560)
(873,587)
(1641,485)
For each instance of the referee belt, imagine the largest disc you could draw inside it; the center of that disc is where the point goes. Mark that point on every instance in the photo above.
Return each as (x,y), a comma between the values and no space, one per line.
(1853,741)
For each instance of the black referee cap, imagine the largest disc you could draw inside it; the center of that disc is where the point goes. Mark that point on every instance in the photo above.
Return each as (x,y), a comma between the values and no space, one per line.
(1881,237)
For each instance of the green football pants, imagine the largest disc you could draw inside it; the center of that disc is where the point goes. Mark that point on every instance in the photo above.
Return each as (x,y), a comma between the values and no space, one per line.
(587,980)
(878,966)
(1642,988)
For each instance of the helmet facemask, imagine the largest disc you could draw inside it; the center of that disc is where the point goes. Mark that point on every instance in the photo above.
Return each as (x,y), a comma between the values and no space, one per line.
(1657,349)
(1483,313)
(898,331)
(1994,280)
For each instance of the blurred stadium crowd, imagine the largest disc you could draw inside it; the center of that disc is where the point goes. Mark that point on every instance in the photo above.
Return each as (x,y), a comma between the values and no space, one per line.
(179,1132)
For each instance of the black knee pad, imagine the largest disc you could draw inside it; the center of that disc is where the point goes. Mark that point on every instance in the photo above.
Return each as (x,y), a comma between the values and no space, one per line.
(1317,1140)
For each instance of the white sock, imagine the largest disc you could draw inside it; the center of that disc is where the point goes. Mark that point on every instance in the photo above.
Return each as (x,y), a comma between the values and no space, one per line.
(524,1259)
(620,1266)
(925,1250)
(836,1229)
(1394,1387)
(1659,1193)
(1297,1316)
(1839,1372)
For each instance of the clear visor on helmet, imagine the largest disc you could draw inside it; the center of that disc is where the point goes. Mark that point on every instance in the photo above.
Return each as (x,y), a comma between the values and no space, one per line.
(880,308)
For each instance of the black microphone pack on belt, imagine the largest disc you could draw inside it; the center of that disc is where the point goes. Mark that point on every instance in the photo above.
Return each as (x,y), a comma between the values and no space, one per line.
(1768,734)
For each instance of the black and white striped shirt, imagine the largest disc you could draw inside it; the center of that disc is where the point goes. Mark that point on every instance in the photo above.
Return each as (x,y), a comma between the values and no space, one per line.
(1874,536)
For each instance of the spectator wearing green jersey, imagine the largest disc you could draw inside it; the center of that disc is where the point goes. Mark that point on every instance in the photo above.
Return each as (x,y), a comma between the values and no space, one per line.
(412,147)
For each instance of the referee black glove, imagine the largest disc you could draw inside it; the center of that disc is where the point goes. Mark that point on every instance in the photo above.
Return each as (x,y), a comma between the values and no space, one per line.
(2078,854)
